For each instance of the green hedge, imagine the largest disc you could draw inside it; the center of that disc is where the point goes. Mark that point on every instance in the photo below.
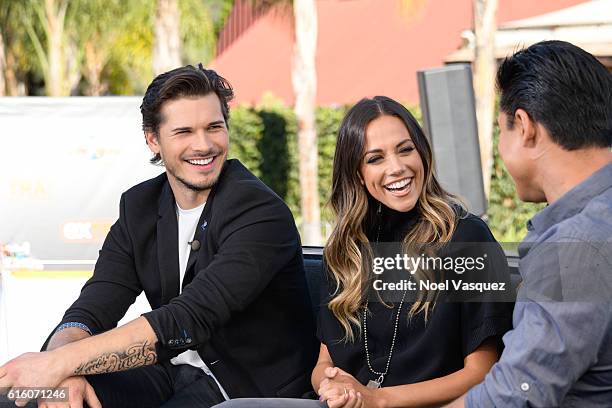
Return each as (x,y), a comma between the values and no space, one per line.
(265,140)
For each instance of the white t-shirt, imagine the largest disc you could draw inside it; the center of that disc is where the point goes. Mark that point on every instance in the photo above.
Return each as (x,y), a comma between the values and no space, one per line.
(187,224)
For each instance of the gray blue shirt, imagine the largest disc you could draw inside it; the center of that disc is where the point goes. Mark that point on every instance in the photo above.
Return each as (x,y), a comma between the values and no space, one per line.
(559,353)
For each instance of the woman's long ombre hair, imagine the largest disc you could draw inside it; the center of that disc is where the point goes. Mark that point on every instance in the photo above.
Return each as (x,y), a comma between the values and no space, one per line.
(347,252)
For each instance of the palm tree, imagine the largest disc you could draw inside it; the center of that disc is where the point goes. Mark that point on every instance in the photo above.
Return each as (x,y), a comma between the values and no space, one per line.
(99,23)
(2,66)
(484,80)
(45,23)
(304,81)
(167,44)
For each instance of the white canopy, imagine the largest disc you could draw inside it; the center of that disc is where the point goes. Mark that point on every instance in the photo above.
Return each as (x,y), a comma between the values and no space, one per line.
(587,25)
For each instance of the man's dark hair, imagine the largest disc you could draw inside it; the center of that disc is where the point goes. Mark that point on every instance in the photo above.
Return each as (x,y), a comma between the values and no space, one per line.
(182,82)
(564,88)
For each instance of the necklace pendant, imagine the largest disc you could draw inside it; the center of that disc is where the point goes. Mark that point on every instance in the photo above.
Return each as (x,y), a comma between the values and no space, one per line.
(376,383)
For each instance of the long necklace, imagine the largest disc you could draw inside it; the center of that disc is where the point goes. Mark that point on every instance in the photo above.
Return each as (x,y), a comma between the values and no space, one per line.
(381,375)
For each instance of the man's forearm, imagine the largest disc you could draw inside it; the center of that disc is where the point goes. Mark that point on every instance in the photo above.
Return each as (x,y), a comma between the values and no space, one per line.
(68,335)
(123,348)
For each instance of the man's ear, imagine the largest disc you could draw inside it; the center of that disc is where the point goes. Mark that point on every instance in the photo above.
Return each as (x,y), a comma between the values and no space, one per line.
(526,128)
(152,141)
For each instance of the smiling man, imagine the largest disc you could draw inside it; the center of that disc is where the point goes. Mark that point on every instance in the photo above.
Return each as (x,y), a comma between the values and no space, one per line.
(219,258)
(555,126)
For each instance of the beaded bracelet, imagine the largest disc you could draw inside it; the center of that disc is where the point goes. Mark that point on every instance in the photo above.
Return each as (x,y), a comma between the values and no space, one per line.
(73,324)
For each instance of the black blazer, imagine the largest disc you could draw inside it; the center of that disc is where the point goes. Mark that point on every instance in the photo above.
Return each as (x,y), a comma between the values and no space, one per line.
(244,307)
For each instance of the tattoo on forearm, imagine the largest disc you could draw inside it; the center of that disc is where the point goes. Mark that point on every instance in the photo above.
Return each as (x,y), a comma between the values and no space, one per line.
(137,355)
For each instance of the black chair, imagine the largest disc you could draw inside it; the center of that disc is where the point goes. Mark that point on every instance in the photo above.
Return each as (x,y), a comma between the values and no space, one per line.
(313,261)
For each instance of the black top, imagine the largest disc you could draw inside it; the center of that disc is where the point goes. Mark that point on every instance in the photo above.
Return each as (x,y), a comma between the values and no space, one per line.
(423,351)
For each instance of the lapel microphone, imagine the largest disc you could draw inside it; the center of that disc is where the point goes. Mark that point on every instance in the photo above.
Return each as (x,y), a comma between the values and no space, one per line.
(195,245)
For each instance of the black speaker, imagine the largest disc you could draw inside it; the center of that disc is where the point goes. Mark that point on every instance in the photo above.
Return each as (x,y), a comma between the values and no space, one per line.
(449,116)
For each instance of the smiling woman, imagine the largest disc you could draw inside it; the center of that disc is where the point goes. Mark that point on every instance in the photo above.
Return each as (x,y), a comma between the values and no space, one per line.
(420,351)
(383,161)
(392,169)
(414,352)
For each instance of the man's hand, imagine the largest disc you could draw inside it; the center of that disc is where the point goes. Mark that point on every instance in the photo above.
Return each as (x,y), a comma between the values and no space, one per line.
(340,389)
(37,370)
(79,390)
(119,349)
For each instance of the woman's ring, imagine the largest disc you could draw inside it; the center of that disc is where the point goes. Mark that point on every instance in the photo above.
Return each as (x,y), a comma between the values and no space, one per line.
(345,392)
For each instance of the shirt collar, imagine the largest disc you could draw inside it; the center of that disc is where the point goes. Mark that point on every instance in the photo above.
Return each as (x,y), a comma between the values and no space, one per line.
(572,202)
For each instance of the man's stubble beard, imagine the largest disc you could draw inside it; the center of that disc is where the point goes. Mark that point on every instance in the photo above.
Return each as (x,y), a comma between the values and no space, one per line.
(196,187)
